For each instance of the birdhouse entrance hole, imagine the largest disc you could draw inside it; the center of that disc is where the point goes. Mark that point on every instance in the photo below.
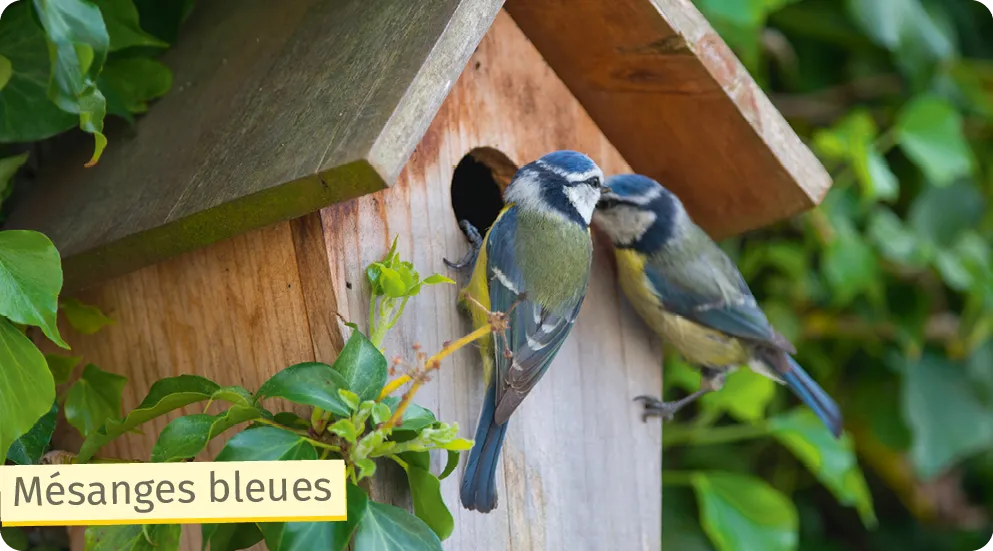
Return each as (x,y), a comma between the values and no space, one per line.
(478,184)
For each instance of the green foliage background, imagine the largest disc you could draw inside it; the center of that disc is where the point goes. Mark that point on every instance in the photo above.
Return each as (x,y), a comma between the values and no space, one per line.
(886,289)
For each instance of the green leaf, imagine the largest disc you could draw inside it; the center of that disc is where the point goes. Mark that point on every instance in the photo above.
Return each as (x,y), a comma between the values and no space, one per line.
(185,437)
(8,165)
(436,279)
(30,281)
(93,399)
(61,366)
(121,19)
(15,538)
(362,366)
(387,528)
(450,465)
(312,384)
(831,460)
(929,214)
(849,266)
(133,537)
(392,283)
(162,18)
(947,419)
(429,506)
(741,513)
(381,413)
(266,444)
(77,45)
(326,536)
(853,140)
(84,318)
(26,386)
(164,396)
(28,449)
(894,240)
(366,467)
(291,420)
(229,536)
(415,417)
(6,70)
(901,24)
(350,398)
(131,82)
(345,429)
(26,114)
(745,396)
(929,130)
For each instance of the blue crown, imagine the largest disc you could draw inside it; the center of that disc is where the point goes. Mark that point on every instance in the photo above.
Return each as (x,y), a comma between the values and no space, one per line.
(570,161)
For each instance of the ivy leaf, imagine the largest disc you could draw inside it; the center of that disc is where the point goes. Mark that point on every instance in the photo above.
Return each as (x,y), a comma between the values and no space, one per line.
(429,506)
(121,19)
(745,396)
(312,384)
(928,214)
(947,419)
(894,240)
(451,465)
(93,399)
(901,24)
(133,537)
(77,46)
(832,461)
(28,449)
(388,528)
(8,165)
(849,266)
(187,436)
(436,279)
(853,140)
(415,417)
(345,429)
(229,536)
(26,387)
(330,536)
(164,396)
(26,114)
(362,367)
(84,318)
(742,513)
(929,130)
(30,281)
(266,444)
(61,366)
(131,82)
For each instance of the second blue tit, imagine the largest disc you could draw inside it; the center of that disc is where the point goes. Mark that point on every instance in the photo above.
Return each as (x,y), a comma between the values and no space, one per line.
(534,266)
(691,293)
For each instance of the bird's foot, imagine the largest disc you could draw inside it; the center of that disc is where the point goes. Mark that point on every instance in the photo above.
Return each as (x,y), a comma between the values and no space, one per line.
(654,407)
(475,243)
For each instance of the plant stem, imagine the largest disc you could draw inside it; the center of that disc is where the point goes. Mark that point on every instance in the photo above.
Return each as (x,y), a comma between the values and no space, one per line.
(432,364)
(399,461)
(707,437)
(392,386)
(677,478)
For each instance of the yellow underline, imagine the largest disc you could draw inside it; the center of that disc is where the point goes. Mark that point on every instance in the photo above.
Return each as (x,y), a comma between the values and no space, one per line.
(172,521)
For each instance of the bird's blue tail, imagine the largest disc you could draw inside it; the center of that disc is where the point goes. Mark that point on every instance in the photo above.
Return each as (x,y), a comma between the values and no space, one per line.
(813,396)
(478,490)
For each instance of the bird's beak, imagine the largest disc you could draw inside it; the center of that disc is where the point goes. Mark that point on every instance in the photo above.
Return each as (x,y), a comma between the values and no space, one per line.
(604,188)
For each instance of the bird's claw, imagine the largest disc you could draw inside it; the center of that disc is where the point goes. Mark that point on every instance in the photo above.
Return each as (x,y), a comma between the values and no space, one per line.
(475,243)
(655,407)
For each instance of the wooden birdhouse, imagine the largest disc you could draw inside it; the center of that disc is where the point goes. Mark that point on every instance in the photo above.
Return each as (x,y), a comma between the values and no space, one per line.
(228,232)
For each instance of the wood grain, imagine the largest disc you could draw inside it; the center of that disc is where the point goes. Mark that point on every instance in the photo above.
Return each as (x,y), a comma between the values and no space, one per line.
(580,470)
(277,109)
(236,312)
(675,101)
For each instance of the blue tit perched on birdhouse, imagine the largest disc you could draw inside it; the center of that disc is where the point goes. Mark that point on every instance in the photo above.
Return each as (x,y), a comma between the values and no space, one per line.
(691,293)
(533,265)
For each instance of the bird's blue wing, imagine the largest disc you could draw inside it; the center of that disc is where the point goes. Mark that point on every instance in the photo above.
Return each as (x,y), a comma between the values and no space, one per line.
(535,334)
(709,290)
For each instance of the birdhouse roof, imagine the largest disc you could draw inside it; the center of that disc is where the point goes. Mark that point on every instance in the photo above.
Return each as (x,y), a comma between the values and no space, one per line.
(281,108)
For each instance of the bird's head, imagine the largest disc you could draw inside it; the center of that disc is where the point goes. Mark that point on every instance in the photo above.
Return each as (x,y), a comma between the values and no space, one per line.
(639,213)
(565,183)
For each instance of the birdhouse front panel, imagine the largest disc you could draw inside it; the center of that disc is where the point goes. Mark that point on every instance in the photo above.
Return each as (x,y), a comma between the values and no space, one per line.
(579,467)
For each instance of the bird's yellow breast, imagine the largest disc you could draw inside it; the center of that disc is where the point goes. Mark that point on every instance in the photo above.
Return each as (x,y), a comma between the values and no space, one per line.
(696,343)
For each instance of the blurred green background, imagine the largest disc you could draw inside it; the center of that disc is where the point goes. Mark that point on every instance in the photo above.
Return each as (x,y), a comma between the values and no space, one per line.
(886,289)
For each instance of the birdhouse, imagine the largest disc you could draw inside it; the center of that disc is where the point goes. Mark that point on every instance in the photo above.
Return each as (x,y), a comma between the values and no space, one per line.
(228,232)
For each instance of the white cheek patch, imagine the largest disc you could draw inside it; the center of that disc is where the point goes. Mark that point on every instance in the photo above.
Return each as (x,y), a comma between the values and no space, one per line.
(625,224)
(584,199)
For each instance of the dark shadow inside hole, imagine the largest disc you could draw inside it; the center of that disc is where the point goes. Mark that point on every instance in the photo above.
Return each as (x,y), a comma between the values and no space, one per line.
(477,186)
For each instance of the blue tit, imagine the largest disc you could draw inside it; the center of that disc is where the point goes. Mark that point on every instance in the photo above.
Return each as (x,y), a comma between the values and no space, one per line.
(690,293)
(533,265)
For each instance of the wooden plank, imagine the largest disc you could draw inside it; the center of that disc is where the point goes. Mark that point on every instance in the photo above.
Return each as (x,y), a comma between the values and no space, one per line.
(675,101)
(278,109)
(560,485)
(235,312)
